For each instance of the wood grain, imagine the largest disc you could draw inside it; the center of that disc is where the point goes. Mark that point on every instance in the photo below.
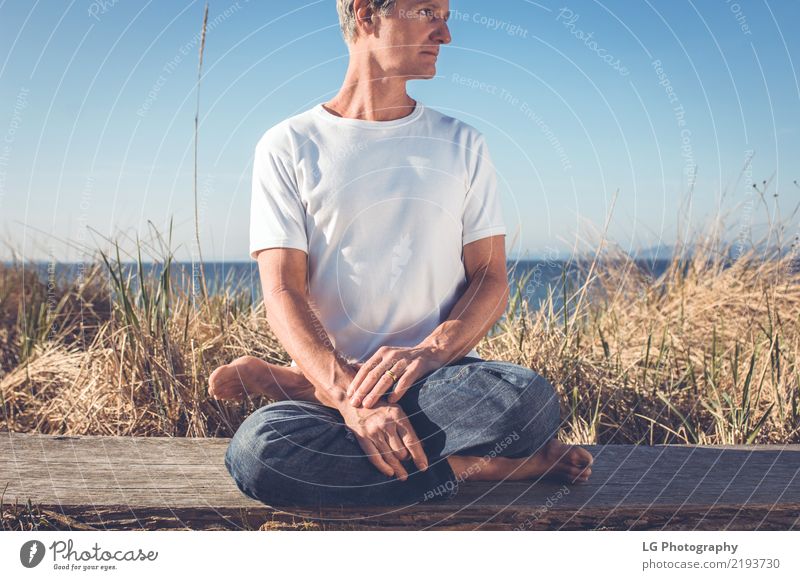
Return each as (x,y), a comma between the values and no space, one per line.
(97,482)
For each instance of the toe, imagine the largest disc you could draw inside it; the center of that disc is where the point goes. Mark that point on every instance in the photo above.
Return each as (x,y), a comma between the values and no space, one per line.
(580,457)
(579,474)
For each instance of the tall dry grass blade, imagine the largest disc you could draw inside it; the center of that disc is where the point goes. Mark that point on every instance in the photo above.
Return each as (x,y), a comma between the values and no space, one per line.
(196,135)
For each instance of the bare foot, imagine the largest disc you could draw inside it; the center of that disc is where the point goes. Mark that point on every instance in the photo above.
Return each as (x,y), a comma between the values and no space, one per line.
(251,376)
(556,460)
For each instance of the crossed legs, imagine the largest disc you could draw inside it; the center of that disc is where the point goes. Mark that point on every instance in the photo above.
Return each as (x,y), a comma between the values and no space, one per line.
(250,376)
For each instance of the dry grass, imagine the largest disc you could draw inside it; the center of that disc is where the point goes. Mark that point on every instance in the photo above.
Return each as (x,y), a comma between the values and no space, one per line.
(703,354)
(124,360)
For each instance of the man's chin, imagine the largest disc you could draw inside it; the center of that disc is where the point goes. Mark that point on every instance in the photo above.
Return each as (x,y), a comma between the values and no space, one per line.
(422,75)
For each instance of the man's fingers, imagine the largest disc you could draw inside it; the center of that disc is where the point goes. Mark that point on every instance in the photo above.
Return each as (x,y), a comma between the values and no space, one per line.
(389,457)
(400,369)
(371,380)
(404,382)
(383,385)
(374,455)
(412,443)
(363,371)
(397,445)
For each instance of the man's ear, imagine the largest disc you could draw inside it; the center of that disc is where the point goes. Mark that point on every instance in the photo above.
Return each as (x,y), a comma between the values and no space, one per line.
(365,16)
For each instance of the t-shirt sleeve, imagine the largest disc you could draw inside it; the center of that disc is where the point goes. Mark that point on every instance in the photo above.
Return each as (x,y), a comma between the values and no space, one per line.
(277,215)
(483,213)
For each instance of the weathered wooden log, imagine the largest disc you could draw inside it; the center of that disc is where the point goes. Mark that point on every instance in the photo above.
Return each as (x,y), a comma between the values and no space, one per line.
(93,482)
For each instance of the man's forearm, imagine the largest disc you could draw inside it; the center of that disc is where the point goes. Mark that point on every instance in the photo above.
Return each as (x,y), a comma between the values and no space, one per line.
(302,335)
(482,304)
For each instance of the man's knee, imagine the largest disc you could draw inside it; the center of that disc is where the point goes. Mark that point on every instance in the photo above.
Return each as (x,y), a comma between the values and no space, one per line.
(263,456)
(544,406)
(531,402)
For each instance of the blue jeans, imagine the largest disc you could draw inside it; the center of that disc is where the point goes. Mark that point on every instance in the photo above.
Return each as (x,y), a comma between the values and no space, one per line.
(302,453)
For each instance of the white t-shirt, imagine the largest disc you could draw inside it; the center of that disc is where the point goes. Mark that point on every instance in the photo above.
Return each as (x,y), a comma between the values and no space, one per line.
(383,210)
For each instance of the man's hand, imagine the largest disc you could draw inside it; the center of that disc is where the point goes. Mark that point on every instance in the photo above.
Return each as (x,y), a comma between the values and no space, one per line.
(387,437)
(407,364)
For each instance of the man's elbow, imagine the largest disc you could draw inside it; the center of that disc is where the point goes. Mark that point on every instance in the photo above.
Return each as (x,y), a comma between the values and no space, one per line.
(281,290)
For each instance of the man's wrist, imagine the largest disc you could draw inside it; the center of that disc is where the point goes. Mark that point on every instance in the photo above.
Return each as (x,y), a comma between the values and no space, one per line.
(437,349)
(343,375)
(337,397)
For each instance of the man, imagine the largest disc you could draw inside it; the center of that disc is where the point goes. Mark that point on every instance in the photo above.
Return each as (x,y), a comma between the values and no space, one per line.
(379,237)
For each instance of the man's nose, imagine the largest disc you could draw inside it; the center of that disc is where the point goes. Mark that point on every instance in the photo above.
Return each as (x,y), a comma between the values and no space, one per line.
(442,33)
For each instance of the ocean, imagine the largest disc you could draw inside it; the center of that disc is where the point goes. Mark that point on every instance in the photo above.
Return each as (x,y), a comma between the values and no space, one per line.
(534,278)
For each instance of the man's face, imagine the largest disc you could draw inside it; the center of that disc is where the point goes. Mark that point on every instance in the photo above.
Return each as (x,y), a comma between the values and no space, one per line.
(409,38)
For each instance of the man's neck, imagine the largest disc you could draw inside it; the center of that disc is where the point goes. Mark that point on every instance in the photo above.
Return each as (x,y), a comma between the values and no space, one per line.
(371,99)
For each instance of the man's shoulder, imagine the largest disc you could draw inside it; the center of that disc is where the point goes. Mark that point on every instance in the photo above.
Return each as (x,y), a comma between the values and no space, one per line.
(279,137)
(454,126)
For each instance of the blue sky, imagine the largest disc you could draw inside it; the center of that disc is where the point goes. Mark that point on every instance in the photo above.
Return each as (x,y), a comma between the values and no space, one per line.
(578,100)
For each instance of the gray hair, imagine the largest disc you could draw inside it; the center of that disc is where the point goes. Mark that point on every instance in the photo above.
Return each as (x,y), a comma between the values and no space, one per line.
(347,16)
